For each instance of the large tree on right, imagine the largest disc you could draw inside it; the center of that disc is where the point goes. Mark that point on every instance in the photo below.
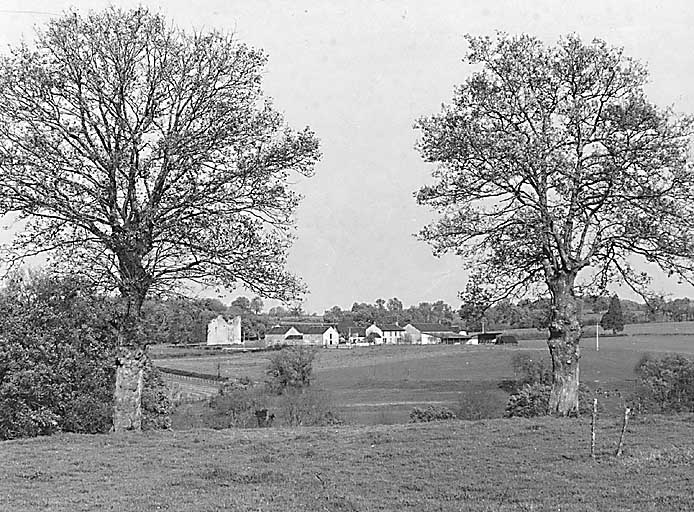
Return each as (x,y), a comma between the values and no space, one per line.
(554,171)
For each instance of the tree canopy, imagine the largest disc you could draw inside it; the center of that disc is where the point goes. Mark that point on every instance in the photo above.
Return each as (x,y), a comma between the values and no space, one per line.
(145,156)
(614,317)
(550,160)
(149,154)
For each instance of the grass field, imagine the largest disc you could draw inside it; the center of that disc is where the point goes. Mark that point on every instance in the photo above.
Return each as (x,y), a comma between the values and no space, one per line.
(372,385)
(494,465)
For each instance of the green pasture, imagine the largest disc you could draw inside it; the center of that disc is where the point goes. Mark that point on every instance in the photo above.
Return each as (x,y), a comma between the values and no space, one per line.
(494,465)
(382,384)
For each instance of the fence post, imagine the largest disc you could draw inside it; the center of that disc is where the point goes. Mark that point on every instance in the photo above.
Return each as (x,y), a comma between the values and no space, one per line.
(618,453)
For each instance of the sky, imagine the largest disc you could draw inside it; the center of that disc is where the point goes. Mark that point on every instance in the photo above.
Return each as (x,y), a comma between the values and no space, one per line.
(359,73)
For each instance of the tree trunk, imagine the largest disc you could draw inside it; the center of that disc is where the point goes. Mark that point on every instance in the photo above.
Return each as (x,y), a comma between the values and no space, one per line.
(127,396)
(131,357)
(564,336)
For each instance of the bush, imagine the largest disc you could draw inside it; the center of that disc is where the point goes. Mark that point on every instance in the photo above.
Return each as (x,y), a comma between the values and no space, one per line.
(431,413)
(533,400)
(666,384)
(308,408)
(529,401)
(235,406)
(531,370)
(290,368)
(57,353)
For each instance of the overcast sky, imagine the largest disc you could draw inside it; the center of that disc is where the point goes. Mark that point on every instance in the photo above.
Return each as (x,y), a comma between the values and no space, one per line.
(359,74)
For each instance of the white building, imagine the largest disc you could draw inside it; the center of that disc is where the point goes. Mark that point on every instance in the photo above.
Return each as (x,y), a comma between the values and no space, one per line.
(221,332)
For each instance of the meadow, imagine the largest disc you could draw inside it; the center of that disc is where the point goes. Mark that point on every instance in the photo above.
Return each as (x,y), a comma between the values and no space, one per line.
(494,465)
(381,384)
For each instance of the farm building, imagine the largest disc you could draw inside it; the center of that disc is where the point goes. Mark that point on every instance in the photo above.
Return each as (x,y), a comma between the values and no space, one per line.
(221,332)
(355,335)
(430,334)
(492,338)
(280,334)
(318,335)
(390,334)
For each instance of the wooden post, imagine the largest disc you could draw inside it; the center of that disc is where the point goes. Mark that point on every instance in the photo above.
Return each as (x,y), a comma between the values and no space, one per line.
(597,336)
(593,421)
(618,453)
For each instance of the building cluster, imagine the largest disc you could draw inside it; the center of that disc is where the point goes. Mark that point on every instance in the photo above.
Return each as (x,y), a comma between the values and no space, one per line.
(223,332)
(377,334)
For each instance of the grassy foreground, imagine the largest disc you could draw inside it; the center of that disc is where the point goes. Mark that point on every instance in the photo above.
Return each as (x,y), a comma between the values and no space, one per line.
(494,465)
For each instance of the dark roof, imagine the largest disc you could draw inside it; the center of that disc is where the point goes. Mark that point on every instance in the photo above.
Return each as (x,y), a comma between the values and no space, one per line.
(279,329)
(390,327)
(312,329)
(452,336)
(503,339)
(432,328)
(356,331)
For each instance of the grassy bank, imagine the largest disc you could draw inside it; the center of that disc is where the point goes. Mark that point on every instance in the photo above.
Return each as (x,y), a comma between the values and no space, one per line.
(494,465)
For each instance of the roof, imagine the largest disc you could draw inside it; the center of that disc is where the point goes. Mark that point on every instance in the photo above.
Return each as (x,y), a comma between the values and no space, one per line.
(390,327)
(432,328)
(356,331)
(279,329)
(312,329)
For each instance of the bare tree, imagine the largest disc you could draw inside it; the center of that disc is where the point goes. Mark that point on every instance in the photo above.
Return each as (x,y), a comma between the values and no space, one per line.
(551,163)
(148,155)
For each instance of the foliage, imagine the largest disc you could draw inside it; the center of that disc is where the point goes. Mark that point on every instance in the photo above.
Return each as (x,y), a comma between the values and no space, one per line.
(156,402)
(529,401)
(533,400)
(56,359)
(235,406)
(290,369)
(431,413)
(614,317)
(530,370)
(565,142)
(307,407)
(550,162)
(667,384)
(123,101)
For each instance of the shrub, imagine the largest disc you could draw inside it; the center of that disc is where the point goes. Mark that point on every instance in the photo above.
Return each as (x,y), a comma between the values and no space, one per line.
(57,360)
(533,400)
(290,368)
(235,406)
(308,408)
(531,370)
(156,403)
(431,413)
(530,400)
(666,384)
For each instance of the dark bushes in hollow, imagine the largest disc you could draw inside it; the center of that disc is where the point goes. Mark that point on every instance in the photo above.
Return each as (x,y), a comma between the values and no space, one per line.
(666,384)
(431,413)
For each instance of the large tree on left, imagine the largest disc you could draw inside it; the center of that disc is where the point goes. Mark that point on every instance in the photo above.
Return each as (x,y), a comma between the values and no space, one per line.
(148,156)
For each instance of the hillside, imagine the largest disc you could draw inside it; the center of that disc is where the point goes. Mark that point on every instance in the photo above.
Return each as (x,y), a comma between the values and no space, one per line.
(494,465)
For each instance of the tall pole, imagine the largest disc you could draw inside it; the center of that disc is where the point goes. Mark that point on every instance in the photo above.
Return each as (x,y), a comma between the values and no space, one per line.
(597,336)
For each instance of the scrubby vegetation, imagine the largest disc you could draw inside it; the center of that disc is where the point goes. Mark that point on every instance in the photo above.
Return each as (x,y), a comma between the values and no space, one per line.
(431,413)
(57,357)
(666,384)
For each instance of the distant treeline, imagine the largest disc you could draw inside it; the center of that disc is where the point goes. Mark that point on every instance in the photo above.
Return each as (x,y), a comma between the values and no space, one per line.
(184,320)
